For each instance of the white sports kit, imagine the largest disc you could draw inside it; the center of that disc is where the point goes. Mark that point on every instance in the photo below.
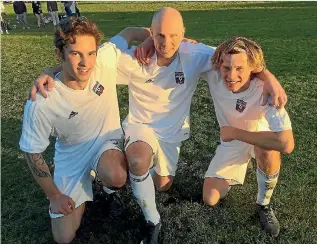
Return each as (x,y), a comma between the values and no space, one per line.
(159,101)
(244,111)
(85,122)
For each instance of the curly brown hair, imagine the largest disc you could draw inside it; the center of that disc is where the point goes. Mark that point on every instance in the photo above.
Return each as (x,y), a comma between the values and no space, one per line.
(71,27)
(240,45)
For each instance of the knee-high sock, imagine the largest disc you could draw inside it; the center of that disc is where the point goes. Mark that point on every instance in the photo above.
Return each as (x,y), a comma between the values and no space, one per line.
(144,192)
(266,185)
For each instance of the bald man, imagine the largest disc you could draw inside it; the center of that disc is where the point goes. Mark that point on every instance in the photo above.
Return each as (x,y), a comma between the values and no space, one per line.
(159,106)
(160,96)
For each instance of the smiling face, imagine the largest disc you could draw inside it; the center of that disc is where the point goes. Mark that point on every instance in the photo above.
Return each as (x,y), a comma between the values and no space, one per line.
(167,38)
(76,40)
(238,59)
(236,72)
(167,32)
(79,58)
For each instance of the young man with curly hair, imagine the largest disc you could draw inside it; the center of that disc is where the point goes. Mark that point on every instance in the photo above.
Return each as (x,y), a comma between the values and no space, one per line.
(82,113)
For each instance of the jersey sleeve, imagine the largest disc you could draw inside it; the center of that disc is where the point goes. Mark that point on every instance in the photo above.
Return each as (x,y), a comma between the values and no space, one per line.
(36,129)
(278,120)
(125,61)
(119,42)
(200,53)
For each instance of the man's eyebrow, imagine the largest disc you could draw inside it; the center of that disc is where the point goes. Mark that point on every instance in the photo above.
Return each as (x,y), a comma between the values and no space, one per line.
(90,52)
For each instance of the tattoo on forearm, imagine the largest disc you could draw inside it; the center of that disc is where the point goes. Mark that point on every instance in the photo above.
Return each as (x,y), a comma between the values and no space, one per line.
(36,163)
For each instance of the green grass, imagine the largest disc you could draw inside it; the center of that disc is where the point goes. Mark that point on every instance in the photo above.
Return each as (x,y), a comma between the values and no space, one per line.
(287,32)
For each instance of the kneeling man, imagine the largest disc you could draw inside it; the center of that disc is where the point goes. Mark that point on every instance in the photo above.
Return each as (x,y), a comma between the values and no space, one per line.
(247,129)
(82,113)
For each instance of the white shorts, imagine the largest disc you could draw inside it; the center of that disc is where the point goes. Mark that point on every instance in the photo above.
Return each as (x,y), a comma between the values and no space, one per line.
(79,186)
(231,161)
(165,155)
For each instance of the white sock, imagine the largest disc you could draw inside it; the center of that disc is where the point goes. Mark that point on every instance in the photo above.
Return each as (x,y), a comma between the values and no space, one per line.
(144,192)
(266,185)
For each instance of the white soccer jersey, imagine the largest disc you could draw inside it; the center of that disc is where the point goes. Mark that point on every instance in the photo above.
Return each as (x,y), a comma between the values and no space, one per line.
(160,97)
(82,120)
(243,110)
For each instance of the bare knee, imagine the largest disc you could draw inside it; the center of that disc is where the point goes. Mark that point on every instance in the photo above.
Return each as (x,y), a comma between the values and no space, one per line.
(211,200)
(138,165)
(64,237)
(214,189)
(139,156)
(211,197)
(64,228)
(266,155)
(268,160)
(112,169)
(162,183)
(117,179)
(164,187)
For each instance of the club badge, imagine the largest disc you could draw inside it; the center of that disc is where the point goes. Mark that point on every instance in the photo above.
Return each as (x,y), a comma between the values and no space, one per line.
(98,88)
(240,105)
(179,78)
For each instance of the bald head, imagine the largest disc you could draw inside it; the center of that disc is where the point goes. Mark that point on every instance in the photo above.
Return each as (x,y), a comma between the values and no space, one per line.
(167,32)
(167,15)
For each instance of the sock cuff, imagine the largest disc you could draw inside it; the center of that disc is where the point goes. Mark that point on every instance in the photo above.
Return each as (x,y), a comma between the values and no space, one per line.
(269,177)
(139,178)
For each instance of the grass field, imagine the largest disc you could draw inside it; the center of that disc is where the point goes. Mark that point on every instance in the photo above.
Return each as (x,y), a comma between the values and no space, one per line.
(287,32)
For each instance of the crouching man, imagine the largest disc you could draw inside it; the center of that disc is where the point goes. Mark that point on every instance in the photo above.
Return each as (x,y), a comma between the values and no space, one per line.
(82,113)
(247,129)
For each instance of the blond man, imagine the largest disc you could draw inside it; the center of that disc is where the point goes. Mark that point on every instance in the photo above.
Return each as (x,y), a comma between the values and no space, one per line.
(247,129)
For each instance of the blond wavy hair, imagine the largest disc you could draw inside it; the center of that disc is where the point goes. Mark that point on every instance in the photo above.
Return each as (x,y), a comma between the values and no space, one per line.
(238,45)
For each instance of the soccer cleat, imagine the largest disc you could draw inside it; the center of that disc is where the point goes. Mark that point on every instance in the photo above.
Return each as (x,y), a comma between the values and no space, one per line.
(268,221)
(152,232)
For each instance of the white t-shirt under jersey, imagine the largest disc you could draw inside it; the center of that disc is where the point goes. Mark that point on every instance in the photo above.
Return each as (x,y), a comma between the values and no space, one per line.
(82,120)
(160,97)
(243,110)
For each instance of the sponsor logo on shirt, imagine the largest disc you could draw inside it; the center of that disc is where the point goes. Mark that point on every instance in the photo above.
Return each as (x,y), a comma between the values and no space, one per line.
(179,78)
(150,81)
(240,105)
(72,114)
(98,88)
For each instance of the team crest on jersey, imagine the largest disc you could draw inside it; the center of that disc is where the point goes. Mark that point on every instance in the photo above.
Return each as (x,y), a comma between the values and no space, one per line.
(179,78)
(240,105)
(98,88)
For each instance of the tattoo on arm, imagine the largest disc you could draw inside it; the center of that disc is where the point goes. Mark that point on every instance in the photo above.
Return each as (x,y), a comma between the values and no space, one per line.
(37,165)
